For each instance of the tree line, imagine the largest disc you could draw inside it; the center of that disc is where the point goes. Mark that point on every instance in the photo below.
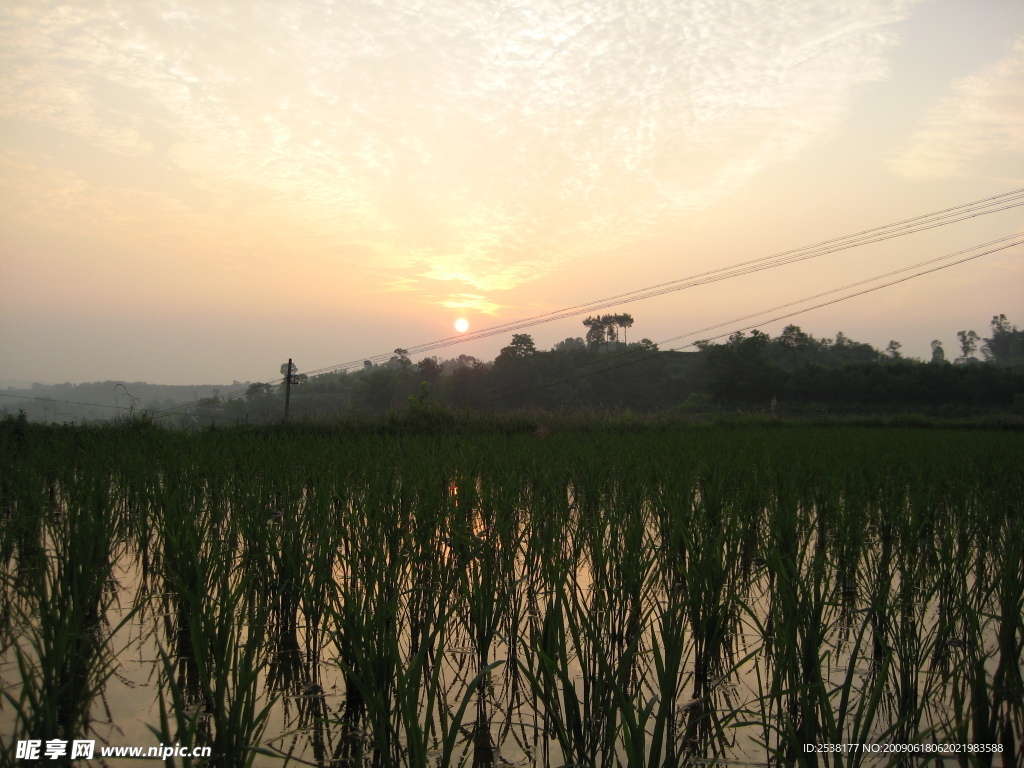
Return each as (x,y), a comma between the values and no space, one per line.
(600,370)
(793,370)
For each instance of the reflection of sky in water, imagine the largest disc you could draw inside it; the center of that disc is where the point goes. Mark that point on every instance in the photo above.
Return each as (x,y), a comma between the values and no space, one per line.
(131,693)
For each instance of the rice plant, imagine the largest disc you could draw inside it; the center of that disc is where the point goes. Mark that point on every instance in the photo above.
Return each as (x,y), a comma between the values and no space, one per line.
(610,594)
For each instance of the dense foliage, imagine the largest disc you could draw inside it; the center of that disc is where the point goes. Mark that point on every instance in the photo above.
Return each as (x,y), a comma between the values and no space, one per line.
(792,373)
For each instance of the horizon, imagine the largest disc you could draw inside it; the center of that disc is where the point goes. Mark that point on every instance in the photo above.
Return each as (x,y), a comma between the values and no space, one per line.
(338,183)
(9,384)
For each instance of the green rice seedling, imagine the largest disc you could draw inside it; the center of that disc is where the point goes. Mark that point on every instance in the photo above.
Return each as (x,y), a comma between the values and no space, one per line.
(418,689)
(61,639)
(850,542)
(547,668)
(799,617)
(322,534)
(879,568)
(955,552)
(364,619)
(1007,682)
(850,712)
(912,638)
(288,565)
(188,564)
(711,576)
(669,647)
(633,716)
(988,702)
(506,515)
(586,721)
(184,728)
(672,503)
(486,582)
(971,684)
(228,657)
(25,525)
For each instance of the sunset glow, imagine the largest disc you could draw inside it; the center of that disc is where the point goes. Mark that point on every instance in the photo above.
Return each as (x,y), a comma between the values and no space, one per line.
(461,325)
(373,165)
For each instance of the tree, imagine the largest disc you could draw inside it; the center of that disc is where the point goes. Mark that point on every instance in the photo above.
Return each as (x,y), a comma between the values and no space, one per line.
(1006,343)
(401,359)
(893,350)
(740,369)
(938,353)
(845,350)
(285,373)
(569,343)
(597,332)
(792,337)
(430,368)
(522,346)
(605,328)
(624,321)
(257,390)
(968,344)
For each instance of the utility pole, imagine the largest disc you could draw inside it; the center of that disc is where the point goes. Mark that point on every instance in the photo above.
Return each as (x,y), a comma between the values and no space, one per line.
(287,388)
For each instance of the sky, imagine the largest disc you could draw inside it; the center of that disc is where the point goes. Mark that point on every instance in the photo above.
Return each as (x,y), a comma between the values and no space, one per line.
(193,192)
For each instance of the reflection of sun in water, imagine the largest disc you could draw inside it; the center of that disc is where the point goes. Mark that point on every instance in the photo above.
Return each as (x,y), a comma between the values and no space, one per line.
(462,325)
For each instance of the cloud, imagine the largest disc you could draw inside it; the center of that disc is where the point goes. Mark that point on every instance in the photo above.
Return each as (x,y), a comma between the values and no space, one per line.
(982,116)
(486,144)
(475,302)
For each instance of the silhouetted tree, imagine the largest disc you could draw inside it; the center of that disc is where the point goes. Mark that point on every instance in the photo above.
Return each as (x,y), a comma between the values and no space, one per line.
(401,359)
(624,321)
(938,353)
(569,343)
(430,368)
(257,390)
(740,369)
(522,346)
(968,344)
(284,372)
(1006,345)
(597,332)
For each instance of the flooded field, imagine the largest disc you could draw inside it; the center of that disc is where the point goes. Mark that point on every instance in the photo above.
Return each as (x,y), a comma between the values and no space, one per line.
(307,596)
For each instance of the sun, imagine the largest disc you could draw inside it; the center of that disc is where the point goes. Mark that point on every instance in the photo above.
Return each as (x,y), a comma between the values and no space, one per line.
(462,325)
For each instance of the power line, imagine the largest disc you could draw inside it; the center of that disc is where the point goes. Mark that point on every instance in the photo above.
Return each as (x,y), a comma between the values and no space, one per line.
(877,234)
(622,363)
(69,402)
(871,280)
(943,217)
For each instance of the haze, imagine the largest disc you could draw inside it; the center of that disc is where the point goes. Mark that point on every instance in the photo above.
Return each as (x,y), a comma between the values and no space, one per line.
(195,192)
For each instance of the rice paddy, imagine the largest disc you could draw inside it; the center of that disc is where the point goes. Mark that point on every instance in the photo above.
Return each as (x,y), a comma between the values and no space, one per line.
(300,595)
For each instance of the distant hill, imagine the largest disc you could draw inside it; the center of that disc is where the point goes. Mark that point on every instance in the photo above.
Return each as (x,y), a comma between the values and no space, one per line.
(102,399)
